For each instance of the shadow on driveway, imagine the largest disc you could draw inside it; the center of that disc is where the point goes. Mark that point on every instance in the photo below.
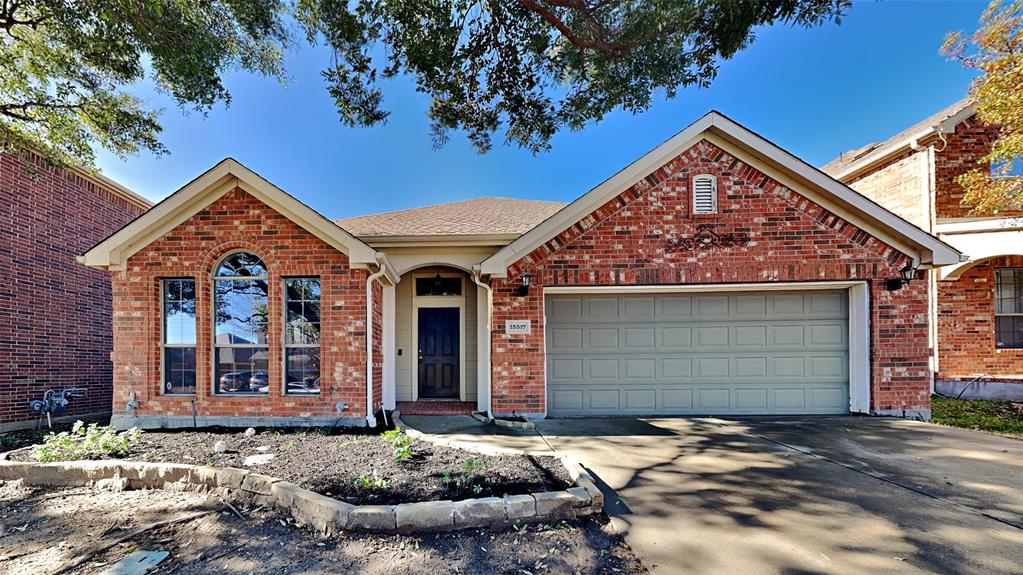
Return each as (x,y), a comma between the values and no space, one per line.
(806,495)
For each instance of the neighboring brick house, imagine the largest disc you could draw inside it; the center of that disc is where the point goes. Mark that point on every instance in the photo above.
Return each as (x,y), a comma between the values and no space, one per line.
(55,313)
(977,304)
(717,274)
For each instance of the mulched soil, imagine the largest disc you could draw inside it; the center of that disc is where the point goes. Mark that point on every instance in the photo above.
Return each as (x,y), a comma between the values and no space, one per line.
(331,463)
(46,531)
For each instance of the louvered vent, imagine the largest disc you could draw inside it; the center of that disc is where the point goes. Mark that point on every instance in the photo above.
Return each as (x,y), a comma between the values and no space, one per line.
(705,195)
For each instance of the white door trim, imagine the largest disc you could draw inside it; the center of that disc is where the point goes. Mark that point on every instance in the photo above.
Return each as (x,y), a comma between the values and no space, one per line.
(859,321)
(435,302)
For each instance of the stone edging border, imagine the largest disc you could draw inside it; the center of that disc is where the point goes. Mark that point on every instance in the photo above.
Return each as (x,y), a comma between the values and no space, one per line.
(324,514)
(480,448)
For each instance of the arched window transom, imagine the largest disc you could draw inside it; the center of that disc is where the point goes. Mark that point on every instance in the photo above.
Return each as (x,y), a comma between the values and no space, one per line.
(241,320)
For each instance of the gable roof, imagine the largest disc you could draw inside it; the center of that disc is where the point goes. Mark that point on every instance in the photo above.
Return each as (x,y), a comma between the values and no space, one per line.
(810,181)
(943,122)
(475,217)
(113,252)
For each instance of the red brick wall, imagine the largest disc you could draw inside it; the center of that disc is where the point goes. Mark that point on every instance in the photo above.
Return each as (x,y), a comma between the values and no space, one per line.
(239,221)
(378,346)
(901,184)
(624,241)
(54,312)
(966,325)
(970,142)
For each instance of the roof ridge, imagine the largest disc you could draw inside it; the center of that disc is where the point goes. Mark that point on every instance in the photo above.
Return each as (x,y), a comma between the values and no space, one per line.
(463,201)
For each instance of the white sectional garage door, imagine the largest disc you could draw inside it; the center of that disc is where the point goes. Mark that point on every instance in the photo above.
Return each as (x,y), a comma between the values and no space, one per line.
(704,353)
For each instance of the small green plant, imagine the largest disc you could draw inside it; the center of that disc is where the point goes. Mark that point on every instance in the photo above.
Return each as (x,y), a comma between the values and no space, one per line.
(290,446)
(86,442)
(472,478)
(371,482)
(401,442)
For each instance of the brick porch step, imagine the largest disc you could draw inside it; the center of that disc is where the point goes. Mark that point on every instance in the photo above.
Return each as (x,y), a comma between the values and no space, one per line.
(435,407)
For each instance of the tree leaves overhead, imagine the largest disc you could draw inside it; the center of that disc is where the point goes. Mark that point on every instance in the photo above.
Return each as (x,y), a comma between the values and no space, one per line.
(996,51)
(531,67)
(520,69)
(64,65)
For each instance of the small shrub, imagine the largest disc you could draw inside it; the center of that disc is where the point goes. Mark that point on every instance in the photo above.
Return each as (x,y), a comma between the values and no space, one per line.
(86,442)
(471,479)
(371,482)
(401,443)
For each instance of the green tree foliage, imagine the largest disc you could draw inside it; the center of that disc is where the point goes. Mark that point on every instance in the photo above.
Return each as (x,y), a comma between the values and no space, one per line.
(530,67)
(523,68)
(996,51)
(64,66)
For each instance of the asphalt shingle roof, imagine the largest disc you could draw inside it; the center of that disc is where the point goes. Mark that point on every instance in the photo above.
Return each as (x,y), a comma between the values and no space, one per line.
(480,216)
(846,159)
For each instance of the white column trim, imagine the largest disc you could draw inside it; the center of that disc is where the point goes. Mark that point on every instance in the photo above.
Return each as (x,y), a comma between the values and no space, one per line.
(390,365)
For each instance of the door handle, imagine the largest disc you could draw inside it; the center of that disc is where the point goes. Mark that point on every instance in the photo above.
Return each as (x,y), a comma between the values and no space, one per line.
(420,356)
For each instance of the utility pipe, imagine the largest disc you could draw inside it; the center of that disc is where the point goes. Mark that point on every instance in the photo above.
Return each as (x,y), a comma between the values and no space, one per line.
(371,419)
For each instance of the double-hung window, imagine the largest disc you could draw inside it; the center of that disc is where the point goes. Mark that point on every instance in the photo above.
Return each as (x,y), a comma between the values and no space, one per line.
(240,309)
(302,336)
(1009,307)
(178,342)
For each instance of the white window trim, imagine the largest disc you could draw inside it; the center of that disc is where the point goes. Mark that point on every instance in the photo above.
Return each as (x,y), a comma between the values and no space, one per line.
(284,337)
(714,194)
(163,340)
(214,278)
(859,321)
(452,301)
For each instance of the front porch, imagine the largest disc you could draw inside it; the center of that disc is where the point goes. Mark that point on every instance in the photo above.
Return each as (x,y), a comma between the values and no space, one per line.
(435,407)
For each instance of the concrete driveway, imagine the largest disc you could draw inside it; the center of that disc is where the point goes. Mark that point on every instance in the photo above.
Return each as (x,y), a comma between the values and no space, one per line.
(806,495)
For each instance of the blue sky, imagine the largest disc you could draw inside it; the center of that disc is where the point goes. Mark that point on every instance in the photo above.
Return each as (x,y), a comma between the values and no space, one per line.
(815,92)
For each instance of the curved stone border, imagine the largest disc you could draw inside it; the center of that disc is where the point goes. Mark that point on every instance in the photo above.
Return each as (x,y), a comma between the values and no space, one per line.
(324,514)
(475,447)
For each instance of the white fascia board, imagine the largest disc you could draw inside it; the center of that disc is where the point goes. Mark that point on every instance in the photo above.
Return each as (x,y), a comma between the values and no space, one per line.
(946,126)
(932,250)
(114,251)
(979,225)
(497,264)
(938,251)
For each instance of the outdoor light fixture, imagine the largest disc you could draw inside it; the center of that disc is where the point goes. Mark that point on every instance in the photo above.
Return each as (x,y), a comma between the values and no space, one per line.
(907,273)
(524,288)
(438,284)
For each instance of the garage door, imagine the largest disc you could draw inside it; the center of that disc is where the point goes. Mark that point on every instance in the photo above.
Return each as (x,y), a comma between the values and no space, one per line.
(708,353)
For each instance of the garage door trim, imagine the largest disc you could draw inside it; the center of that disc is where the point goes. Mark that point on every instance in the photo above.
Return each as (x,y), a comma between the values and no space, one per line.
(859,320)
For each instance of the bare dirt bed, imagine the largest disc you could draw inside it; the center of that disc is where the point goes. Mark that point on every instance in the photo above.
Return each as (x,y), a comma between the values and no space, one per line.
(47,531)
(332,463)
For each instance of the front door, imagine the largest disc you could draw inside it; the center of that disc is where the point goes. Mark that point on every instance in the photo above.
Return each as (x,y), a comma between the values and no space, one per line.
(438,352)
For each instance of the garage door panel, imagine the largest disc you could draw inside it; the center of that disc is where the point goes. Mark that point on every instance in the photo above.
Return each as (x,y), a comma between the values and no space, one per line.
(744,353)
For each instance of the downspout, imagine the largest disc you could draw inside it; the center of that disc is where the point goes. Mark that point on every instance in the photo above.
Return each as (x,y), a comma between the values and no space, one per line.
(371,419)
(490,312)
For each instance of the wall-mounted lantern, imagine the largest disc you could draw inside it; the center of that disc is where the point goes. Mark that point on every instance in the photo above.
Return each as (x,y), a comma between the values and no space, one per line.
(524,288)
(907,274)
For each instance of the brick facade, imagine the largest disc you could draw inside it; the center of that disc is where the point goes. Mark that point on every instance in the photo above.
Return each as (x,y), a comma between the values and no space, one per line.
(624,242)
(54,312)
(900,184)
(961,153)
(966,326)
(238,221)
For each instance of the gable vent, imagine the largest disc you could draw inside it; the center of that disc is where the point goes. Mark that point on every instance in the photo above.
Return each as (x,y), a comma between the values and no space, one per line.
(705,194)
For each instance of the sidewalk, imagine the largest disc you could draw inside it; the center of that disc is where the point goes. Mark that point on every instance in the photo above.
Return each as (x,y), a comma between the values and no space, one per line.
(467,433)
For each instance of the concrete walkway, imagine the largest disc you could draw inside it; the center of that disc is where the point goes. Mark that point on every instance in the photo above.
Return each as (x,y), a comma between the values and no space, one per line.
(800,495)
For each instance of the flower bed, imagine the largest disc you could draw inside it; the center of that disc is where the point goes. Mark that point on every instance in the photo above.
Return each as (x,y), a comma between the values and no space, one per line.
(359,468)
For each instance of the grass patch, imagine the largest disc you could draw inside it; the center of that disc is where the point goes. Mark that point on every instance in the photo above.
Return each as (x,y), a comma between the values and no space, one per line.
(1001,417)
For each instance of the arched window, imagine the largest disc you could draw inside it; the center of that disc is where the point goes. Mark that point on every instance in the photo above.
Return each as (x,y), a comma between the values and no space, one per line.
(241,314)
(705,194)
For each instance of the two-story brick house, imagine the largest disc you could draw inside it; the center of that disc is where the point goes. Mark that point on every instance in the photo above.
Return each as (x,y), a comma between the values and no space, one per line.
(54,313)
(976,305)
